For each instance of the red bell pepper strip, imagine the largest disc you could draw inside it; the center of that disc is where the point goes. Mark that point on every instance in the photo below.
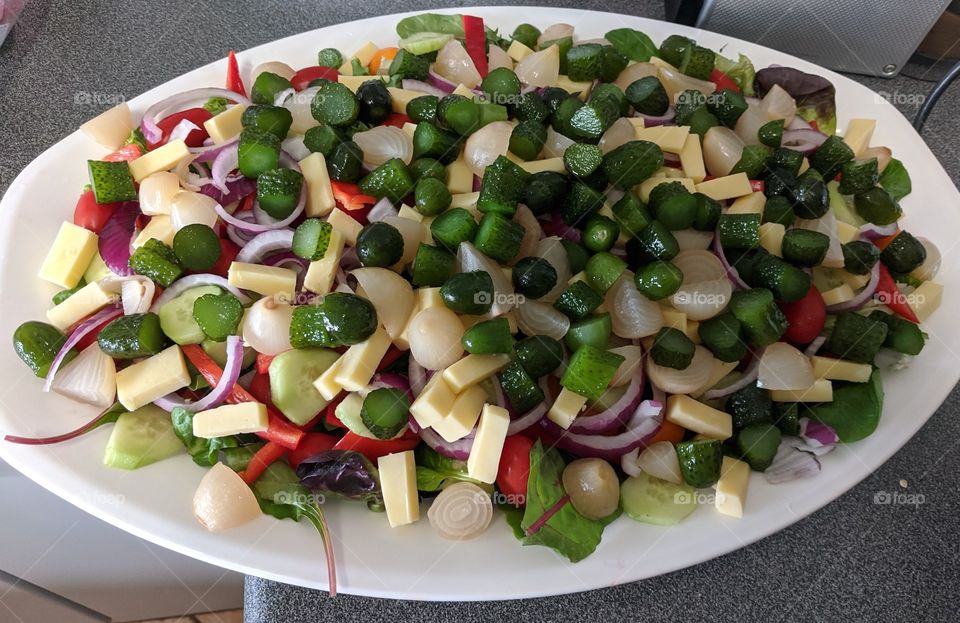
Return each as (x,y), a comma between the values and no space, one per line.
(331,414)
(813,124)
(723,81)
(890,295)
(279,430)
(756,186)
(349,197)
(302,79)
(476,42)
(392,355)
(373,449)
(234,82)
(126,153)
(312,444)
(263,363)
(261,460)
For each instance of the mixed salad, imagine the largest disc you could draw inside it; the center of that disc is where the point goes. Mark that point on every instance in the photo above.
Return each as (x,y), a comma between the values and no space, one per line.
(569,279)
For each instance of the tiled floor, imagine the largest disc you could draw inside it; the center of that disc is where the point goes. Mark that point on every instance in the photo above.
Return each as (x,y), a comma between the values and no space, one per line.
(224,616)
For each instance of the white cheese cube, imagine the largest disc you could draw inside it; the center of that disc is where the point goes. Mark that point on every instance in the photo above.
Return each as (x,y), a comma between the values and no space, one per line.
(159,227)
(359,363)
(472,369)
(348,227)
(771,237)
(731,494)
(246,417)
(84,302)
(518,51)
(566,408)
(581,89)
(407,212)
(364,54)
(670,138)
(327,384)
(265,280)
(463,90)
(820,391)
(858,135)
(539,166)
(484,460)
(321,273)
(925,299)
(840,370)
(162,158)
(691,159)
(684,411)
(463,416)
(434,402)
(72,250)
(728,187)
(319,191)
(152,378)
(748,204)
(401,97)
(353,82)
(226,125)
(398,481)
(459,177)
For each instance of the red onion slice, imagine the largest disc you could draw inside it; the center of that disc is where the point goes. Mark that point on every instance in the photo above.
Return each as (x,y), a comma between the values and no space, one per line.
(78,334)
(872,232)
(732,272)
(217,394)
(417,375)
(457,450)
(182,130)
(115,238)
(749,376)
(797,123)
(148,124)
(650,121)
(423,87)
(530,418)
(209,153)
(791,463)
(818,435)
(863,296)
(644,422)
(553,225)
(192,281)
(257,227)
(226,161)
(440,83)
(381,210)
(806,141)
(618,414)
(266,243)
(237,189)
(815,345)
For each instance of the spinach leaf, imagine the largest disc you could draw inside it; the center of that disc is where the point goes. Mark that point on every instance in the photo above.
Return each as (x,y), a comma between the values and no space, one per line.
(896,180)
(514,516)
(434,471)
(740,71)
(633,44)
(566,531)
(203,451)
(430,22)
(855,410)
(815,95)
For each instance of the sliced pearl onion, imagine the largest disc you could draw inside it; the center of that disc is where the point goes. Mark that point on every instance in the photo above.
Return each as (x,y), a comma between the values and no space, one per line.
(699,266)
(750,122)
(622,131)
(91,378)
(706,289)
(391,295)
(826,225)
(551,249)
(266,326)
(722,149)
(157,191)
(274,67)
(434,337)
(190,208)
(676,83)
(882,154)
(633,73)
(540,69)
(660,461)
(413,234)
(684,381)
(784,367)
(294,146)
(693,239)
(299,106)
(382,143)
(223,500)
(779,104)
(632,356)
(554,32)
(454,64)
(497,58)
(486,144)
(632,314)
(536,318)
(532,232)
(461,511)
(931,266)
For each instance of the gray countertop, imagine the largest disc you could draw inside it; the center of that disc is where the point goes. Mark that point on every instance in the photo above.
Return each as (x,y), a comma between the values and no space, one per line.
(856,559)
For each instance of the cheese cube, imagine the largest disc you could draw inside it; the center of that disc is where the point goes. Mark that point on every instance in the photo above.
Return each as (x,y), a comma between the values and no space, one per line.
(771,237)
(459,177)
(162,158)
(84,302)
(675,319)
(463,90)
(401,97)
(731,494)
(748,204)
(157,191)
(265,280)
(858,135)
(110,128)
(226,125)
(566,408)
(434,402)
(727,187)
(847,232)
(398,481)
(159,227)
(410,129)
(327,384)
(472,369)
(820,391)
(155,377)
(321,273)
(246,417)
(670,138)
(691,159)
(684,411)
(72,250)
(720,370)
(840,370)
(649,184)
(581,89)
(465,200)
(348,227)
(353,82)
(484,460)
(925,299)
(320,200)
(518,51)
(539,166)
(360,362)
(840,294)
(364,55)
(407,212)
(463,417)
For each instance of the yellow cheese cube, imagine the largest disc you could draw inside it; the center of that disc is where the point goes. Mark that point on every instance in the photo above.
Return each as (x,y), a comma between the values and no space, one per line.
(748,204)
(434,402)
(226,125)
(265,280)
(840,294)
(401,97)
(566,408)
(348,227)
(320,200)
(720,370)
(539,166)
(359,363)
(731,494)
(159,227)
(649,184)
(820,391)
(581,89)
(728,187)
(670,138)
(398,482)
(459,177)
(638,123)
(804,165)
(684,411)
(840,370)
(353,82)
(162,158)
(847,232)
(465,200)
(675,319)
(157,191)
(155,377)
(410,129)
(407,212)
(691,159)
(463,90)
(326,383)
(321,273)
(472,369)
(517,51)
(238,419)
(858,134)
(771,237)
(364,54)
(925,299)
(84,302)
(484,460)
(110,128)
(463,416)
(72,250)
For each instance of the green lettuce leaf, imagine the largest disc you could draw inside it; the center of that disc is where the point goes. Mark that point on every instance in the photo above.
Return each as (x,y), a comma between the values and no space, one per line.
(633,44)
(434,471)
(740,71)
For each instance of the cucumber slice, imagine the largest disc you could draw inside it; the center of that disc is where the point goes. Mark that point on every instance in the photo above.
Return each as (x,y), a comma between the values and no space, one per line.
(349,412)
(651,500)
(140,438)
(218,352)
(424,42)
(176,316)
(292,374)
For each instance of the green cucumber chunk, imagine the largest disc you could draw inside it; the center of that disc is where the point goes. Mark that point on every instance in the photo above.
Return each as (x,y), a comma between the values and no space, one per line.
(385,412)
(654,501)
(140,438)
(700,461)
(133,336)
(176,315)
(292,374)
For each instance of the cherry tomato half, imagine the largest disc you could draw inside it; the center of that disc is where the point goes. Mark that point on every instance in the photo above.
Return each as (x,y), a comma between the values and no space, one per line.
(302,79)
(92,215)
(228,253)
(806,317)
(514,469)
